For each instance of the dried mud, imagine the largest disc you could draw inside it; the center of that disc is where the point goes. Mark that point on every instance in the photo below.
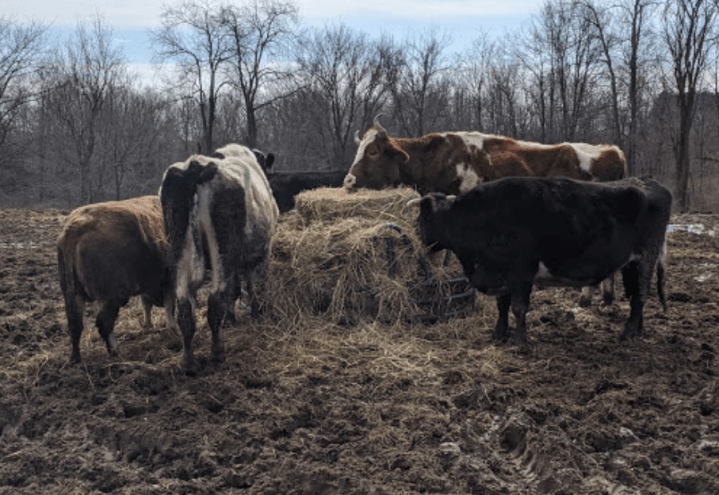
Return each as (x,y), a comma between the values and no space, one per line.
(316,408)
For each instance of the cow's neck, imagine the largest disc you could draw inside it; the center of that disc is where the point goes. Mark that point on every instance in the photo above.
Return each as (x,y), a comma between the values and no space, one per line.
(420,171)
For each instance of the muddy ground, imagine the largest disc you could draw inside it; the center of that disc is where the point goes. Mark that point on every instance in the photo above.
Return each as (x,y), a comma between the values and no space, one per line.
(316,408)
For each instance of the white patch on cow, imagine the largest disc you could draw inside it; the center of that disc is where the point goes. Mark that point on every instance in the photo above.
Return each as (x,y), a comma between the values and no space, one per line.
(467,176)
(543,274)
(188,271)
(586,153)
(362,148)
(206,228)
(350,181)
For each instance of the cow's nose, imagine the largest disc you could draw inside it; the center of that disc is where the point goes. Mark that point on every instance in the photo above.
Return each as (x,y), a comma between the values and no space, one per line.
(350,181)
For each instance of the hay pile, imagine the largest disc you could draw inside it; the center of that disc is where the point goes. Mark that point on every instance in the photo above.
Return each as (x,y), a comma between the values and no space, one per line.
(351,257)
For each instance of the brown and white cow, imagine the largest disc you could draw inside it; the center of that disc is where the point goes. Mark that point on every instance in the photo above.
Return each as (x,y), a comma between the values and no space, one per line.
(109,252)
(219,212)
(455,162)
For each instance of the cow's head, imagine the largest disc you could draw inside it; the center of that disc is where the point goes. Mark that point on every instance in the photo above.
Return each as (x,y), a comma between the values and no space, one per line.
(431,221)
(265,160)
(377,162)
(177,195)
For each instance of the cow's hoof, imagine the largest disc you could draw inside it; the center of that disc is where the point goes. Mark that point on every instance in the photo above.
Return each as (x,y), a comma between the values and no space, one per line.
(584,302)
(630,334)
(192,367)
(501,336)
(608,300)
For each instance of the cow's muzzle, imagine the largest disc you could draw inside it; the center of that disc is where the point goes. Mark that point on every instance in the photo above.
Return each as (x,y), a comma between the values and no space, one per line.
(349,182)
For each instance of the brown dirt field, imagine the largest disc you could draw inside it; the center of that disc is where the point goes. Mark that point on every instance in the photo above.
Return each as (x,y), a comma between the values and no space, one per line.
(321,408)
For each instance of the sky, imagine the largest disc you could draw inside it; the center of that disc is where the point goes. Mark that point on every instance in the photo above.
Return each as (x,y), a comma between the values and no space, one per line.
(131,20)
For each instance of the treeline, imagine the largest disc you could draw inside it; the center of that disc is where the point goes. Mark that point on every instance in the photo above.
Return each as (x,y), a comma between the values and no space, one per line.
(77,126)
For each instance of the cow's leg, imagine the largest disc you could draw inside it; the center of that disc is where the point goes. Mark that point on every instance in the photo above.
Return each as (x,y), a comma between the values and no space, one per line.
(585,300)
(608,290)
(74,308)
(106,323)
(147,312)
(501,329)
(217,308)
(186,321)
(636,292)
(169,304)
(520,306)
(255,286)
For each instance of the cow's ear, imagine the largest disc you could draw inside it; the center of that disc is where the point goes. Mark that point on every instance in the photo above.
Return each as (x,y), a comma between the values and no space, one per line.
(397,154)
(208,173)
(269,160)
(426,206)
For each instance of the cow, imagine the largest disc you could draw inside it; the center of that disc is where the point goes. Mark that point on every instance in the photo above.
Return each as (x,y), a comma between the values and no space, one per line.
(455,162)
(110,252)
(285,186)
(514,233)
(218,212)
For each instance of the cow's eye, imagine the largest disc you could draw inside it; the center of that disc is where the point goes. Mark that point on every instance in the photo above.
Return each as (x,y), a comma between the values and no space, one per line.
(373,153)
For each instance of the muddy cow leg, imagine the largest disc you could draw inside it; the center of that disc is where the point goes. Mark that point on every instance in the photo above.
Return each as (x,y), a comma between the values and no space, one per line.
(520,306)
(217,308)
(106,323)
(608,290)
(147,312)
(186,322)
(74,308)
(501,329)
(585,300)
(631,276)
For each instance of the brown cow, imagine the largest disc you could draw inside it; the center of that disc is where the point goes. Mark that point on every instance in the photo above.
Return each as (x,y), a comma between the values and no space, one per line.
(455,162)
(109,252)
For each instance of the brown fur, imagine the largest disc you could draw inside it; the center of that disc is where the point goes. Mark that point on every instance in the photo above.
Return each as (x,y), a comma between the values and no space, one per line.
(430,162)
(109,252)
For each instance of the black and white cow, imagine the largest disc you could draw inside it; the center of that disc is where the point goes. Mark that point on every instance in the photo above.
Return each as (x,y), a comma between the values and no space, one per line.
(513,233)
(219,212)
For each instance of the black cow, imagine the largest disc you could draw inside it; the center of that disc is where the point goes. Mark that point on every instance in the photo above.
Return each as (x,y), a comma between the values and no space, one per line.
(513,233)
(218,211)
(285,186)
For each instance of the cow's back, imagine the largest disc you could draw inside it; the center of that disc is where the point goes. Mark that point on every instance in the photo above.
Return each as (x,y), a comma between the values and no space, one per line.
(98,238)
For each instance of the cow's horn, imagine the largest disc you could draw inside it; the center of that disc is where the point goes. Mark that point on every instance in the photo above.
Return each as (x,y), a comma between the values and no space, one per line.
(451,197)
(414,202)
(381,131)
(357,138)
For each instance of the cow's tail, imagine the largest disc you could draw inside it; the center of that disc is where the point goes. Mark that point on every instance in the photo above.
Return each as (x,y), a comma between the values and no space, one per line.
(67,270)
(660,275)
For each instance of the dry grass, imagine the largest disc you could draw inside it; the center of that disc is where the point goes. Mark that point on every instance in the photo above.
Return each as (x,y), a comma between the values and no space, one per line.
(351,258)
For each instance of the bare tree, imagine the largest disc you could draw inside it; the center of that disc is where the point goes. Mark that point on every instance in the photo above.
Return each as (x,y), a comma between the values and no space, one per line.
(689,34)
(348,72)
(20,49)
(259,32)
(600,19)
(79,79)
(474,66)
(637,16)
(193,37)
(420,92)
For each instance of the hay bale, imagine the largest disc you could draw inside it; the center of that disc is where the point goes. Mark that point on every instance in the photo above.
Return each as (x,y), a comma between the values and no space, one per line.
(352,257)
(329,203)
